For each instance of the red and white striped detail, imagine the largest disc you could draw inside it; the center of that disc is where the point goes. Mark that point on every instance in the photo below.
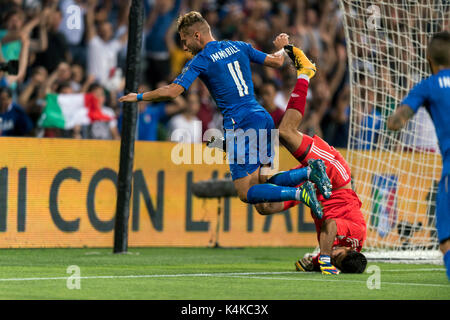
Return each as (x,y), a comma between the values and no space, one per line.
(330,158)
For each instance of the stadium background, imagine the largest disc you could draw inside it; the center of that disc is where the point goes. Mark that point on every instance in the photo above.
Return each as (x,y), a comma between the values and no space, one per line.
(58,186)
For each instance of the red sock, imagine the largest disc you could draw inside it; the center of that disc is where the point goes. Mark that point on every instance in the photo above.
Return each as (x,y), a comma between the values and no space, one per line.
(304,148)
(298,96)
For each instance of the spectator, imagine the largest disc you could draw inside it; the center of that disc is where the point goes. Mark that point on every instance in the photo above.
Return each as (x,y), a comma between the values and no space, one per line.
(208,108)
(58,50)
(77,77)
(33,93)
(72,27)
(287,85)
(186,127)
(14,122)
(178,57)
(9,80)
(336,131)
(14,20)
(269,91)
(105,130)
(103,50)
(162,15)
(61,75)
(365,135)
(152,116)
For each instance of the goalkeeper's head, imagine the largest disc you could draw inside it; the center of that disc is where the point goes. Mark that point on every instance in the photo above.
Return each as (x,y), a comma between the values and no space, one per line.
(194,32)
(348,260)
(438,53)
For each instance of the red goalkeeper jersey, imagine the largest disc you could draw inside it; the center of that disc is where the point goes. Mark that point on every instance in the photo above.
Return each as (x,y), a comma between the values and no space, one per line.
(344,205)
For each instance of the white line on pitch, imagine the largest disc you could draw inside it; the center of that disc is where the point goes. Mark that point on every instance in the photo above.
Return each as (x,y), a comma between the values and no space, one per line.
(244,275)
(153,276)
(343,280)
(412,270)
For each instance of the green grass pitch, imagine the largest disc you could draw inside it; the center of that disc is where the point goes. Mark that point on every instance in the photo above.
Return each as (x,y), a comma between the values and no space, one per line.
(202,273)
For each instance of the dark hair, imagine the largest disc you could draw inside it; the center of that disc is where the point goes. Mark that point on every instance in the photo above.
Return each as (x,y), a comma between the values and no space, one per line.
(7,90)
(94,86)
(62,85)
(439,48)
(12,12)
(354,262)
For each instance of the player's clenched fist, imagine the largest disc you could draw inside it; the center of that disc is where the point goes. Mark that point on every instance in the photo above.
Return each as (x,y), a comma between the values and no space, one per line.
(281,40)
(131,97)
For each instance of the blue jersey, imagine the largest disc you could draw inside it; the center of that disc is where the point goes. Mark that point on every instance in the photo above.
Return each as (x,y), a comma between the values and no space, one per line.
(224,67)
(434,94)
(15,122)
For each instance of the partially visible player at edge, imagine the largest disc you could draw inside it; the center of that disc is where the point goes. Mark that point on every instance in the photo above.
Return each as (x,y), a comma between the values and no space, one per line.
(341,231)
(434,94)
(224,67)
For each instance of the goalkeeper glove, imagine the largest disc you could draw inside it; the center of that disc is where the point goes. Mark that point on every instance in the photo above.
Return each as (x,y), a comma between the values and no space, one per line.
(325,265)
(305,264)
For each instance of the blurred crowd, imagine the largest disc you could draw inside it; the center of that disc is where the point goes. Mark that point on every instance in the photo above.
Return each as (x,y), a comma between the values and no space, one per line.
(79,46)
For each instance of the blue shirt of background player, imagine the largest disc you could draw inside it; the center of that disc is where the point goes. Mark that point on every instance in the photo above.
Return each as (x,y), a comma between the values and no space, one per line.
(224,67)
(434,94)
(15,122)
(148,120)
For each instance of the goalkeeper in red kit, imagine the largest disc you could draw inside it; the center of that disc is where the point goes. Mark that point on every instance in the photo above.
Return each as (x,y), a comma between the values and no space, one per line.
(341,231)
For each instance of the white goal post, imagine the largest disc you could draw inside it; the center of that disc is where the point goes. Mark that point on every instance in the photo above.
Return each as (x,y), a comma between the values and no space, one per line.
(394,174)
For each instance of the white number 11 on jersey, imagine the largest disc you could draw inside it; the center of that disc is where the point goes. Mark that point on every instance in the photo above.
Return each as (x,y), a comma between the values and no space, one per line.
(235,70)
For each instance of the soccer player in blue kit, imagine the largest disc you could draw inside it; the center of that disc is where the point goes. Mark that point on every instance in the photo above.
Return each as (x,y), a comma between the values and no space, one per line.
(224,67)
(434,94)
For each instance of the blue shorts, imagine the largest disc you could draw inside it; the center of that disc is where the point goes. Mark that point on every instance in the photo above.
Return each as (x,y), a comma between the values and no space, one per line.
(249,144)
(443,209)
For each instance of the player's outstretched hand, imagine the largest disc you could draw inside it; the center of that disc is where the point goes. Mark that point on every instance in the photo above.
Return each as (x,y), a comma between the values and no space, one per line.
(131,97)
(281,40)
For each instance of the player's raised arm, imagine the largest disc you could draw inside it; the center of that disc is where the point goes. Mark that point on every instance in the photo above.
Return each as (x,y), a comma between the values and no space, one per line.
(168,92)
(400,117)
(418,96)
(276,60)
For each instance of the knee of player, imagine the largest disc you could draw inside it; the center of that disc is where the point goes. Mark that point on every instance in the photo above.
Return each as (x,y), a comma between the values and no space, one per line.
(263,209)
(242,196)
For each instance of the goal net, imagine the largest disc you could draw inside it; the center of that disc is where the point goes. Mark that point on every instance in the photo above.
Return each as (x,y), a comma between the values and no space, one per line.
(395,174)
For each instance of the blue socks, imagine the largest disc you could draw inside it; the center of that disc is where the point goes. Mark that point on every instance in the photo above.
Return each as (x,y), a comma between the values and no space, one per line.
(290,178)
(280,187)
(447,263)
(267,192)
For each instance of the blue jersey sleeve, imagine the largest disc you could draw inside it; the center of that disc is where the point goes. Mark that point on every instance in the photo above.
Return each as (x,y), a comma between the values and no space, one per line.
(418,96)
(254,55)
(191,71)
